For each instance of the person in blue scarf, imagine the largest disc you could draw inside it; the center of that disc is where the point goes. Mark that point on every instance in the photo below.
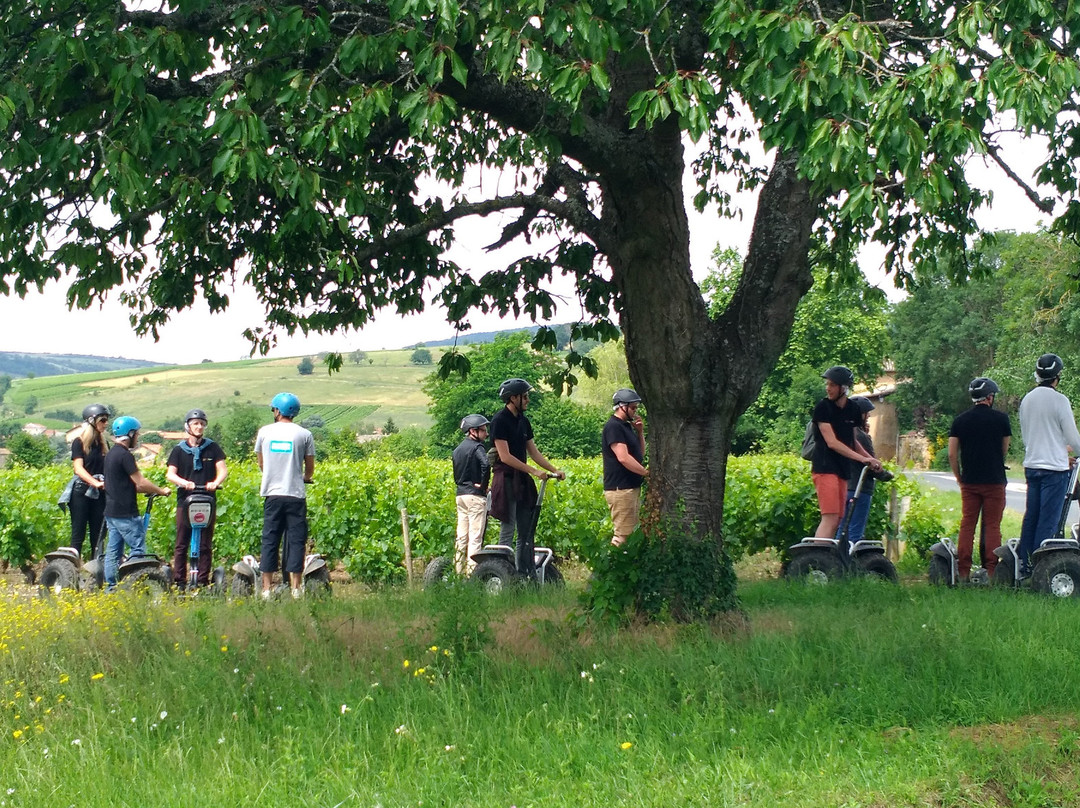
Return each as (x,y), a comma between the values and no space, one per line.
(198,461)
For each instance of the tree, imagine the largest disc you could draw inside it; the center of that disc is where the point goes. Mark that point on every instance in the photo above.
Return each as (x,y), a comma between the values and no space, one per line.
(305,367)
(324,151)
(358,357)
(838,322)
(237,430)
(30,405)
(508,356)
(5,385)
(32,451)
(390,428)
(421,356)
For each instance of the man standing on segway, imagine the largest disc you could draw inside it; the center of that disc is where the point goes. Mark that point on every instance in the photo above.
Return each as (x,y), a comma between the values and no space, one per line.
(978,443)
(472,471)
(624,463)
(198,461)
(1048,429)
(285,453)
(835,448)
(123,482)
(513,494)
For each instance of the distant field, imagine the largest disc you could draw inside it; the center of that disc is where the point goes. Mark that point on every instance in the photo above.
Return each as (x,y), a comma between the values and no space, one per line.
(387,386)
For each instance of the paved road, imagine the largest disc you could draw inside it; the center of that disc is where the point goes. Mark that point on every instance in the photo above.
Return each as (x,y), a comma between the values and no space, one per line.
(1015,493)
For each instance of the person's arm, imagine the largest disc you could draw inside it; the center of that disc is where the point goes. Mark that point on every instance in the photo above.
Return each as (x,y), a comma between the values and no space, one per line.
(309,468)
(221,471)
(145,486)
(954,456)
(622,454)
(174,477)
(1005,446)
(84,475)
(828,434)
(503,448)
(1068,428)
(542,461)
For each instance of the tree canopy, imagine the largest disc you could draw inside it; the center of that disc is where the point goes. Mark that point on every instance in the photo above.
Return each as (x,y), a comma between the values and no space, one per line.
(325,151)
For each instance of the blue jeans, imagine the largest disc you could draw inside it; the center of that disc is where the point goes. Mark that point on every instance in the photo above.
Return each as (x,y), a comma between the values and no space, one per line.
(1042,513)
(122,530)
(860,513)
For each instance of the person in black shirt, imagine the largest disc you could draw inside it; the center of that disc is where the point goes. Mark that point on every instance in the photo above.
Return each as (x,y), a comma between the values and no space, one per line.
(124,481)
(198,461)
(835,448)
(513,493)
(978,443)
(624,463)
(87,501)
(471,474)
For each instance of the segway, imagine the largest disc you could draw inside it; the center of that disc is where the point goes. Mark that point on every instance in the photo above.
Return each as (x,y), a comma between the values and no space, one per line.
(944,562)
(496,566)
(823,560)
(138,571)
(63,567)
(440,568)
(247,577)
(201,507)
(1055,564)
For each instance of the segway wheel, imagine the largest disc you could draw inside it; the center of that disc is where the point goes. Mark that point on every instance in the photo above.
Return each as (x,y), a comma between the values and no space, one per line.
(57,576)
(495,575)
(1003,573)
(1058,575)
(879,566)
(241,587)
(438,570)
(152,582)
(217,581)
(552,577)
(317,584)
(939,571)
(814,568)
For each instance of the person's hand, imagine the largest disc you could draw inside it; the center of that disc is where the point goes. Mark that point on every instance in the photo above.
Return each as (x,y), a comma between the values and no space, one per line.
(559,474)
(98,484)
(212,486)
(189,485)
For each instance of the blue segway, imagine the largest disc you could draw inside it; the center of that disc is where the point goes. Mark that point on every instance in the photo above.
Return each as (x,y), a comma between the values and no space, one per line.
(200,515)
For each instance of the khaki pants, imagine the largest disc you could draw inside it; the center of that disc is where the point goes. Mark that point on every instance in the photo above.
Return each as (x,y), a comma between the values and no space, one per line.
(471,519)
(625,506)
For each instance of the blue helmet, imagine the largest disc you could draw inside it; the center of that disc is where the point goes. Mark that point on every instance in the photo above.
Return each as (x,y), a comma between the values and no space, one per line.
(125,426)
(287,404)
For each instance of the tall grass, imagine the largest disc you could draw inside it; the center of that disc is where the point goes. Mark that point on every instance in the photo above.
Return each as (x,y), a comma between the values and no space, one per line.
(860,694)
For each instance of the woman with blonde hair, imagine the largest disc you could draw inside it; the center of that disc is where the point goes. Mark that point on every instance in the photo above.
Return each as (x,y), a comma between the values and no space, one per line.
(87,503)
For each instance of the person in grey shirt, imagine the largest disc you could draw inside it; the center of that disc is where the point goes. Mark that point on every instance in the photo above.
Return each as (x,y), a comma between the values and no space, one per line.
(285,453)
(1048,429)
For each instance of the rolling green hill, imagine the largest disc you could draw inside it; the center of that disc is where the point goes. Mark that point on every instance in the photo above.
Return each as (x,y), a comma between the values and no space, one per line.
(385,386)
(18,365)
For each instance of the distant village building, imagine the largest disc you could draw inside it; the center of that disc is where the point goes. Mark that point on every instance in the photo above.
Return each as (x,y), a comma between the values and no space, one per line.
(5,457)
(35,429)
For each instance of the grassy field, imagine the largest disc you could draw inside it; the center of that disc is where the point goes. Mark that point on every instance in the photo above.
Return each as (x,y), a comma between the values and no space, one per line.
(388,386)
(856,695)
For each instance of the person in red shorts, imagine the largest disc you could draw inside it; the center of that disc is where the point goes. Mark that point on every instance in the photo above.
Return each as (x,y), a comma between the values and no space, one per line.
(835,448)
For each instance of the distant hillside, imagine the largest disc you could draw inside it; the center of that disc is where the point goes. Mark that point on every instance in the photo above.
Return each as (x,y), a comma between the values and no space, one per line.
(562,333)
(21,365)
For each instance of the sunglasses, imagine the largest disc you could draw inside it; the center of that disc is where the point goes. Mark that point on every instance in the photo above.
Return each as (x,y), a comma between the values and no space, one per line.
(104,419)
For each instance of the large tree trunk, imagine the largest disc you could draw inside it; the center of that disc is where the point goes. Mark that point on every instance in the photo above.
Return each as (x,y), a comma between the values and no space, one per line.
(695,375)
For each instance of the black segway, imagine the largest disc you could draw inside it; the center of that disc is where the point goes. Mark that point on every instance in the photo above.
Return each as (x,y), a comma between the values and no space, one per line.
(1055,564)
(944,562)
(140,571)
(822,560)
(496,567)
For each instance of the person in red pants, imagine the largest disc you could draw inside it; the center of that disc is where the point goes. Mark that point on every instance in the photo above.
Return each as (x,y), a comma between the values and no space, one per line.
(198,461)
(978,443)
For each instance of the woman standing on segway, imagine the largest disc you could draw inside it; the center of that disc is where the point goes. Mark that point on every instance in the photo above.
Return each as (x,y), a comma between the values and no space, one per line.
(87,502)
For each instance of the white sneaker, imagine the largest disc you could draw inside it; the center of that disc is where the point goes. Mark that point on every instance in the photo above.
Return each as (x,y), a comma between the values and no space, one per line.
(296,593)
(267,594)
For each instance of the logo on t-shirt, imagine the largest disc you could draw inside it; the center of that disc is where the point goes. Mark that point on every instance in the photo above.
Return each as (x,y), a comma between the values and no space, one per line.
(282,446)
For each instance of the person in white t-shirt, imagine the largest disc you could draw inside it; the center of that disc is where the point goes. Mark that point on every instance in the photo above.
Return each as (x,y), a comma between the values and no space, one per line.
(286,455)
(1049,431)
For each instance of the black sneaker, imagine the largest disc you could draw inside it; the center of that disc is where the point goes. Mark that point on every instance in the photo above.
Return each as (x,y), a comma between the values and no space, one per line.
(1025,571)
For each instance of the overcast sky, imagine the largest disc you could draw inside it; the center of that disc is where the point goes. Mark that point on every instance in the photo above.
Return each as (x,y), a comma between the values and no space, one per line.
(42,323)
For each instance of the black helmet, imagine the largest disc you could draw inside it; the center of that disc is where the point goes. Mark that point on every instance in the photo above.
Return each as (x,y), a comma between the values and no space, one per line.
(981,388)
(196,414)
(513,387)
(94,411)
(838,374)
(1048,367)
(624,396)
(862,403)
(473,422)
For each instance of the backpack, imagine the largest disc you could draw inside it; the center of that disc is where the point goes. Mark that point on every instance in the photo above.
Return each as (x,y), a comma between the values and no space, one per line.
(806,451)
